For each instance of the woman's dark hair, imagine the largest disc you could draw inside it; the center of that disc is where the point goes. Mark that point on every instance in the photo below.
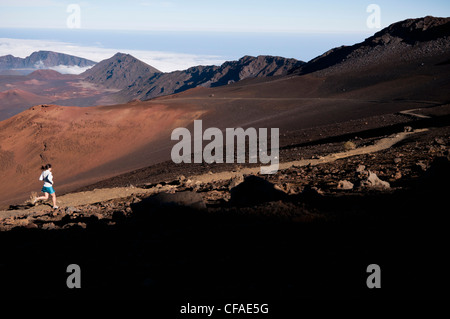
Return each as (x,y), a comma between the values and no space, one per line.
(45,167)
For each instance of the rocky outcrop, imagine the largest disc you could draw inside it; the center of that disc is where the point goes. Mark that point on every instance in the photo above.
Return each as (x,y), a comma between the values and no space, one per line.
(158,84)
(406,40)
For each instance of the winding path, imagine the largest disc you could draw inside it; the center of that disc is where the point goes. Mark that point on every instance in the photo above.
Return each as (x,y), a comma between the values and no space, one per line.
(101,195)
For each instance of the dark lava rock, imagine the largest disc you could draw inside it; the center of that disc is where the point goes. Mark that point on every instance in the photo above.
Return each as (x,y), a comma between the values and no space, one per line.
(255,190)
(437,175)
(373,181)
(187,199)
(71,210)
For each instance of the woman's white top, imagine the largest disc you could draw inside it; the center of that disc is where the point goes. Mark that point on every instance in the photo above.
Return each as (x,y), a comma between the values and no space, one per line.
(47,177)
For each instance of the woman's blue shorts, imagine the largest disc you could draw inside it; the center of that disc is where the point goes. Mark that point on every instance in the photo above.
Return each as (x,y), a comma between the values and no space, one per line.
(49,190)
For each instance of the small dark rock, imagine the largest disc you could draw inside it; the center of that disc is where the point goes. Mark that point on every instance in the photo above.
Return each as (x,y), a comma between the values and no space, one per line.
(255,190)
(422,166)
(345,185)
(71,210)
(49,226)
(407,129)
(312,192)
(360,168)
(180,199)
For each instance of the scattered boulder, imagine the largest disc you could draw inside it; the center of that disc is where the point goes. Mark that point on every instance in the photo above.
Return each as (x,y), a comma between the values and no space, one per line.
(312,192)
(236,180)
(398,175)
(372,181)
(361,173)
(188,199)
(349,145)
(407,129)
(255,190)
(345,185)
(289,188)
(422,166)
(49,226)
(75,225)
(439,141)
(98,215)
(360,168)
(71,210)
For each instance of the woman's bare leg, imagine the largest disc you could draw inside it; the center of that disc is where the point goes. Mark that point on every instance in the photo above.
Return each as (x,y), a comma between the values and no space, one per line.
(54,199)
(45,197)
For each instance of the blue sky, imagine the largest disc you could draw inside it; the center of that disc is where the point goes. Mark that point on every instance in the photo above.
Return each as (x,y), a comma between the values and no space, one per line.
(210,15)
(200,31)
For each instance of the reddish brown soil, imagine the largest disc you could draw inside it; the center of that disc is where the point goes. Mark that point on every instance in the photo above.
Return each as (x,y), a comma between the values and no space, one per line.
(86,145)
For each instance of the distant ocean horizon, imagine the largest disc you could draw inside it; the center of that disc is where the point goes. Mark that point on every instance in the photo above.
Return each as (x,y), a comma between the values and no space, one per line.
(214,47)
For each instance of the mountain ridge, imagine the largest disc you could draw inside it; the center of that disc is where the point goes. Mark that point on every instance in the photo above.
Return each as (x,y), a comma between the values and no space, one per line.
(43,59)
(425,36)
(160,84)
(119,71)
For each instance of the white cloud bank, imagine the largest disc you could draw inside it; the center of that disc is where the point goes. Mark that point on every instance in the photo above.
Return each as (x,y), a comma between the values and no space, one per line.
(64,69)
(163,61)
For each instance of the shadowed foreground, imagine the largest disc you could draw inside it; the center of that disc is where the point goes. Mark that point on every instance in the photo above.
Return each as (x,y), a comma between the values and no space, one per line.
(304,245)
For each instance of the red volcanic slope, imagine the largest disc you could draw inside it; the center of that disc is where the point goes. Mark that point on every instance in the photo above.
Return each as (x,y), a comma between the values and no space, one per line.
(16,100)
(16,96)
(89,144)
(77,140)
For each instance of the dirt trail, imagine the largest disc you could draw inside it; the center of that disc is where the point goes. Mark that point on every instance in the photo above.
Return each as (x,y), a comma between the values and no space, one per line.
(105,194)
(414,114)
(85,198)
(380,145)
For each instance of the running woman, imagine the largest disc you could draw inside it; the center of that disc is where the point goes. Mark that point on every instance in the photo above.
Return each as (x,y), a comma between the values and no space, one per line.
(47,177)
